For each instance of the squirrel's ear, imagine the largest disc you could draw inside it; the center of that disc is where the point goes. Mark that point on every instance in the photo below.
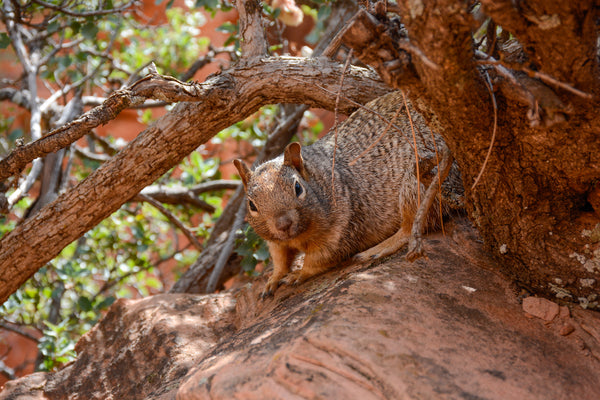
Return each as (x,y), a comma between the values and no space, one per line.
(244,171)
(292,157)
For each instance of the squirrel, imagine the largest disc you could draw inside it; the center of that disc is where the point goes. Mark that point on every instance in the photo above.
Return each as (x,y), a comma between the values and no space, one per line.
(353,193)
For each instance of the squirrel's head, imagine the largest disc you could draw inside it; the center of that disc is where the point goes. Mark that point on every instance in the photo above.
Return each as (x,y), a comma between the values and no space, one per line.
(280,199)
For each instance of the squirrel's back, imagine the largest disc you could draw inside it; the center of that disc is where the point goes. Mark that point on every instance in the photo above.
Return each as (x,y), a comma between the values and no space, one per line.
(375,170)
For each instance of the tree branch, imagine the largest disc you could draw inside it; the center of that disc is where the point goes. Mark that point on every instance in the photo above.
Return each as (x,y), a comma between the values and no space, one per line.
(550,30)
(17,329)
(172,90)
(253,39)
(72,13)
(176,195)
(171,217)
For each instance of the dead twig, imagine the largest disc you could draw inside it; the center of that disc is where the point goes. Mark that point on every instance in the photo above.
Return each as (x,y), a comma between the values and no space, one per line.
(335,119)
(489,152)
(415,243)
(414,138)
(227,249)
(172,218)
(534,74)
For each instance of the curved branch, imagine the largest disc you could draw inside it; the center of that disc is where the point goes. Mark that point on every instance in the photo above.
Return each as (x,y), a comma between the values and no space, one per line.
(253,78)
(72,13)
(177,195)
(64,136)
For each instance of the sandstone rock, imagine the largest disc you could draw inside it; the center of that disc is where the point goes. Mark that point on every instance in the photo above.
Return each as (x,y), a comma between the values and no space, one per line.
(393,330)
(541,308)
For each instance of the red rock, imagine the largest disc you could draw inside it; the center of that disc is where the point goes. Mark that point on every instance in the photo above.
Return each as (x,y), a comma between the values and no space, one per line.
(358,333)
(566,329)
(540,308)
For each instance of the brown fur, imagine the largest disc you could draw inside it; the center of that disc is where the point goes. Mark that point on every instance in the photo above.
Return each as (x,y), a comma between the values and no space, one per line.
(372,199)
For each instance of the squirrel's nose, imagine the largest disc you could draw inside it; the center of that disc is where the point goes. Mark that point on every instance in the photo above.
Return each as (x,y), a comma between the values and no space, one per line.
(283,222)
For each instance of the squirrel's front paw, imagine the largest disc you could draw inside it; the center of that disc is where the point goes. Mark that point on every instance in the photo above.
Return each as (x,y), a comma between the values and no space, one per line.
(293,278)
(270,287)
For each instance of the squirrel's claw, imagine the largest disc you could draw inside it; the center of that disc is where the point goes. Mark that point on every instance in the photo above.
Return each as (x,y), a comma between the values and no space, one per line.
(294,278)
(270,288)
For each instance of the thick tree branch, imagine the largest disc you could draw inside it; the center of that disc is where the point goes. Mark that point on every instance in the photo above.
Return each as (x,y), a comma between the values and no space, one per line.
(549,30)
(439,71)
(271,72)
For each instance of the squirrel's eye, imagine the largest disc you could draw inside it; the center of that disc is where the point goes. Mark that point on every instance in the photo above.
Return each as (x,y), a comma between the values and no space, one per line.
(252,206)
(298,189)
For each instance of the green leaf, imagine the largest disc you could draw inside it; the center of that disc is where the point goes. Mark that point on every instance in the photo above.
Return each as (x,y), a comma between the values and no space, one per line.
(262,253)
(31,292)
(248,264)
(227,27)
(15,134)
(4,40)
(89,30)
(105,303)
(323,12)
(75,27)
(208,4)
(53,26)
(84,303)
(153,283)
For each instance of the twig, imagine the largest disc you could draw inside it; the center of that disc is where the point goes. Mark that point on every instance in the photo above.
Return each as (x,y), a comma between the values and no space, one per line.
(335,119)
(534,74)
(174,220)
(415,51)
(84,13)
(30,65)
(227,249)
(86,153)
(414,137)
(437,160)
(415,243)
(18,330)
(489,152)
(385,131)
(176,195)
(212,186)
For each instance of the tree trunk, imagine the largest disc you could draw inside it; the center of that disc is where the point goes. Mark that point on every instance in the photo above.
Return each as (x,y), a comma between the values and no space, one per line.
(535,202)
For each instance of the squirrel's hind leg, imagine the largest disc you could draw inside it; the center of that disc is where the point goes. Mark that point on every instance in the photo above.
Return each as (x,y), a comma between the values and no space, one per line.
(388,246)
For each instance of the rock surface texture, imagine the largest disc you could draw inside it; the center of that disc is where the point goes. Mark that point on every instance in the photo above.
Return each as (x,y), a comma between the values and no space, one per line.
(445,327)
